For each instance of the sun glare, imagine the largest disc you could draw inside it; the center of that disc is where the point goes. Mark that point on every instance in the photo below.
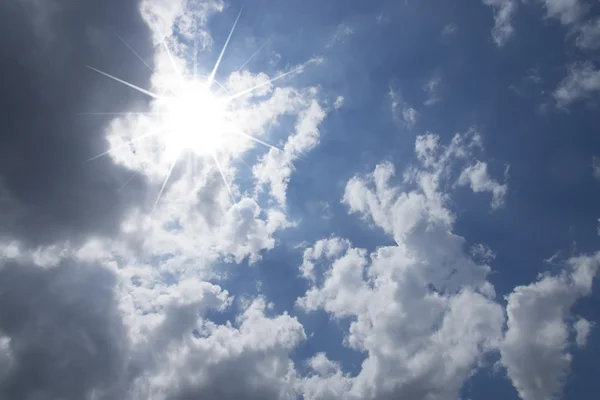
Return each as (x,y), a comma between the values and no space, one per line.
(196,118)
(195,115)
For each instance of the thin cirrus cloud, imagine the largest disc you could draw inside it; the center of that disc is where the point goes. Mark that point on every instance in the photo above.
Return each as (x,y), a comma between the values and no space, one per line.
(187,186)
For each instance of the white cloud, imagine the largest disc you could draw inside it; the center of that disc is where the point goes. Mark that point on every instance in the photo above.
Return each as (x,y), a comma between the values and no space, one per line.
(341,33)
(583,328)
(401,110)
(158,266)
(503,13)
(589,35)
(188,17)
(596,167)
(535,349)
(482,253)
(449,29)
(253,353)
(477,177)
(567,11)
(423,310)
(276,167)
(432,88)
(582,80)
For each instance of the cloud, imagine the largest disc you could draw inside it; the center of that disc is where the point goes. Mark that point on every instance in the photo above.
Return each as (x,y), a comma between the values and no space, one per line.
(402,111)
(503,13)
(341,34)
(589,35)
(582,327)
(432,89)
(582,81)
(408,306)
(477,177)
(567,11)
(596,167)
(137,310)
(449,29)
(253,353)
(535,349)
(45,47)
(275,168)
(64,335)
(118,283)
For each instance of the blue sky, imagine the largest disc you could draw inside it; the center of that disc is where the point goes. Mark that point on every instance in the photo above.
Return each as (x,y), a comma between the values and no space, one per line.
(343,200)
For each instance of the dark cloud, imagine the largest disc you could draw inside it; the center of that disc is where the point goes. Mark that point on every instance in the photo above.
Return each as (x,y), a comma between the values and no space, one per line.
(67,339)
(47,190)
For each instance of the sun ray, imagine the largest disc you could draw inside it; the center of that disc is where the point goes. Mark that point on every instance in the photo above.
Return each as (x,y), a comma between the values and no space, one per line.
(169,54)
(121,113)
(255,139)
(244,162)
(216,67)
(253,55)
(164,184)
(134,52)
(128,180)
(131,85)
(252,89)
(121,146)
(214,156)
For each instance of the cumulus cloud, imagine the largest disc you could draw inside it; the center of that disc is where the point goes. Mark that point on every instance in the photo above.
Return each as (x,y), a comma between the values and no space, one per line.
(535,349)
(114,271)
(253,353)
(139,267)
(408,305)
(582,80)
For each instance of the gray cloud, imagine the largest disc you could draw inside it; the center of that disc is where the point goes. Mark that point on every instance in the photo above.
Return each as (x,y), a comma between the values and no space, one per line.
(66,338)
(47,190)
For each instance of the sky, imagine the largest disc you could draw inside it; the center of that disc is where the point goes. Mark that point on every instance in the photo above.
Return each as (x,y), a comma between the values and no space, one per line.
(299,200)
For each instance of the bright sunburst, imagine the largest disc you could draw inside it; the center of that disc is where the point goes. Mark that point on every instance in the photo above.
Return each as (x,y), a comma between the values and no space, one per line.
(196,114)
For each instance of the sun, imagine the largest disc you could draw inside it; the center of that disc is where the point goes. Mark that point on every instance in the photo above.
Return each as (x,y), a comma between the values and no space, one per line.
(195,114)
(195,118)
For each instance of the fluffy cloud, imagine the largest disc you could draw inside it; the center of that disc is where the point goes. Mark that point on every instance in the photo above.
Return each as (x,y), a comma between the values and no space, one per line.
(423,310)
(139,267)
(112,282)
(253,353)
(535,349)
